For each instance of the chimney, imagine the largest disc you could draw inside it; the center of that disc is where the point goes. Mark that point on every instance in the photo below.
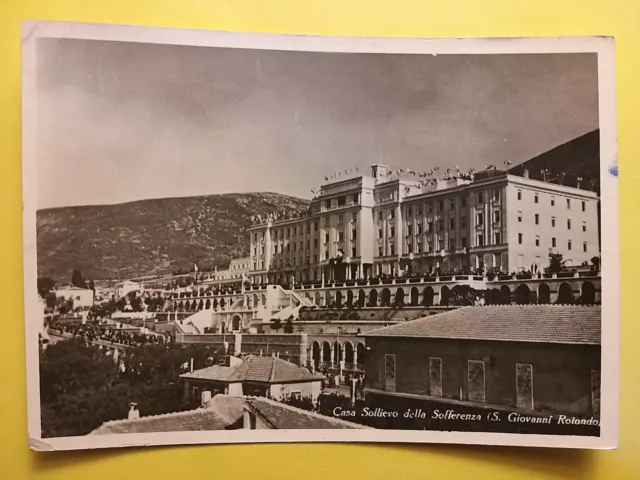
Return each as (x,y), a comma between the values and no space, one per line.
(525,172)
(134,413)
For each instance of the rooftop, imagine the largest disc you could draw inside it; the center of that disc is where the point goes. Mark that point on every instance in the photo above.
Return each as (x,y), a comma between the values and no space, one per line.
(224,412)
(189,421)
(282,416)
(517,323)
(256,369)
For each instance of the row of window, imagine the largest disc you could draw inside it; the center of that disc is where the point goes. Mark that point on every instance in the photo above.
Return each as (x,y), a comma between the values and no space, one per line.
(536,220)
(536,199)
(476,381)
(553,242)
(342,201)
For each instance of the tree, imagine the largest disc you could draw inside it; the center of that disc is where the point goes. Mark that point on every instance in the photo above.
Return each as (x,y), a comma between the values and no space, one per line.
(276,324)
(596,263)
(50,300)
(77,280)
(556,264)
(92,286)
(288,325)
(45,285)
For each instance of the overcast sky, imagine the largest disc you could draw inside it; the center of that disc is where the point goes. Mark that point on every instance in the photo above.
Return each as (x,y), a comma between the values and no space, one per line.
(125,121)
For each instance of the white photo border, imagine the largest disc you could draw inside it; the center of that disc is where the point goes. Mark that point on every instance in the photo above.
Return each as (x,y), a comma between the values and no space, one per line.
(610,378)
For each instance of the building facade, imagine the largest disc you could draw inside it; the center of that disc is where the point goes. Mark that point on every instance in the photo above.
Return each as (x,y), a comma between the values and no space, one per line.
(527,359)
(385,224)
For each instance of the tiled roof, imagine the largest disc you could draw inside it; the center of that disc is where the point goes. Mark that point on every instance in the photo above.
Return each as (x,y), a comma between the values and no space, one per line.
(282,416)
(189,421)
(519,323)
(257,369)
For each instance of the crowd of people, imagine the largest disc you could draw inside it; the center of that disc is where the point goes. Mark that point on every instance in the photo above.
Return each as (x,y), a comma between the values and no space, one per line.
(110,333)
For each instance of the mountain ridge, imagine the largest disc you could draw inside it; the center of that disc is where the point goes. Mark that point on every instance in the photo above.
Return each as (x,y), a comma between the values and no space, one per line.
(151,236)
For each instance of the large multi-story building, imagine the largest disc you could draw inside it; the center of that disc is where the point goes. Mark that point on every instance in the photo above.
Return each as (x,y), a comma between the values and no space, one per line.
(386,224)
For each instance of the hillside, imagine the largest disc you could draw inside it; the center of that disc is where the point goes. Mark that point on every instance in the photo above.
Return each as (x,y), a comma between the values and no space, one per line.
(579,157)
(148,237)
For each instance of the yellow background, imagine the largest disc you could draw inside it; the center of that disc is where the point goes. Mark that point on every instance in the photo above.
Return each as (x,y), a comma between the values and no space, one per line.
(411,18)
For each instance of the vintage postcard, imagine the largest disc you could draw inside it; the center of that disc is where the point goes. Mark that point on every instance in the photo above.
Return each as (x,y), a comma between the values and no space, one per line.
(236,238)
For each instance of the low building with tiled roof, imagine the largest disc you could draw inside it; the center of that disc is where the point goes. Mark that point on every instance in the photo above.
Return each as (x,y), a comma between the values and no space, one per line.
(224,412)
(535,359)
(256,376)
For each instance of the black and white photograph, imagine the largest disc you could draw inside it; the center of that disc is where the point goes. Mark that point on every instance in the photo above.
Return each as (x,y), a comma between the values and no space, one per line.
(236,238)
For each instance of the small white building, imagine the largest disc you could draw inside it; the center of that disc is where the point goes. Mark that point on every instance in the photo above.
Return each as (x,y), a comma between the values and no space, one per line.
(81,297)
(126,287)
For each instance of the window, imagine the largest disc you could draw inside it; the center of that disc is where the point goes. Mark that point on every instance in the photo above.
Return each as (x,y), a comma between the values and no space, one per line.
(537,219)
(354,234)
(430,208)
(553,221)
(326,237)
(419,229)
(435,376)
(480,219)
(393,250)
(524,386)
(519,194)
(294,247)
(584,226)
(380,233)
(409,229)
(463,242)
(380,215)
(340,219)
(354,252)
(553,201)
(569,224)
(496,216)
(409,246)
(480,197)
(584,206)
(475,377)
(440,225)
(569,245)
(390,372)
(535,198)
(315,258)
(327,204)
(392,232)
(315,242)
(584,247)
(520,238)
(392,214)
(342,201)
(452,244)
(553,242)
(380,251)
(419,211)
(354,217)
(519,217)
(409,212)
(463,201)
(429,226)
(496,238)
(480,240)
(568,203)
(356,197)
(315,226)
(327,221)
(537,240)
(341,236)
(452,204)
(496,195)
(452,224)
(308,228)
(440,205)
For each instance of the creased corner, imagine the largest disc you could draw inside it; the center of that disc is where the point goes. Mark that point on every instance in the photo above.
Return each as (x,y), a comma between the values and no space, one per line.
(29,27)
(38,445)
